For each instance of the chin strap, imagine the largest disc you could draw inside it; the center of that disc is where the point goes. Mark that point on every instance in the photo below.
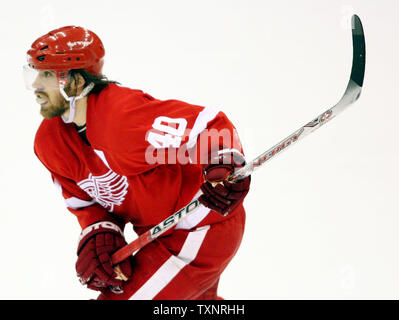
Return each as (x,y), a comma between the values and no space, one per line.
(72,101)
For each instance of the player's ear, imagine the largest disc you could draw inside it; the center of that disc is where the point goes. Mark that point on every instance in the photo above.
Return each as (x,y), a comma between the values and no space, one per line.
(76,84)
(80,82)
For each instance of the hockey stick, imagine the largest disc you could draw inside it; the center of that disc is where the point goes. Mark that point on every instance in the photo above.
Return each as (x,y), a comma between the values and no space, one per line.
(350,95)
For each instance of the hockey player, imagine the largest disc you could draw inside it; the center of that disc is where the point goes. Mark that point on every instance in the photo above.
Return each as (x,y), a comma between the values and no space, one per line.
(120,156)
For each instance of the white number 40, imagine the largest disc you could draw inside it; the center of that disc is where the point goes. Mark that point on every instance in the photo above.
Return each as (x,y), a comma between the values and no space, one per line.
(172,129)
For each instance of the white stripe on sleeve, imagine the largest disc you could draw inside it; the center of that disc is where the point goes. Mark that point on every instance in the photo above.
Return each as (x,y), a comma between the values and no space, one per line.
(101,155)
(76,203)
(73,202)
(206,115)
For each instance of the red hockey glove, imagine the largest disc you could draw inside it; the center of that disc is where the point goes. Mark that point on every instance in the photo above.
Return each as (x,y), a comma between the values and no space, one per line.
(97,243)
(219,194)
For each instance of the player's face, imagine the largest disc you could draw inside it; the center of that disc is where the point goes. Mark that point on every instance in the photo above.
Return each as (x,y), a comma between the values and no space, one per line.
(48,95)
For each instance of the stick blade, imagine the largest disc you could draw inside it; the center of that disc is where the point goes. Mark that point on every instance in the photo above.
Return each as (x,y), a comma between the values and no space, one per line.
(359,51)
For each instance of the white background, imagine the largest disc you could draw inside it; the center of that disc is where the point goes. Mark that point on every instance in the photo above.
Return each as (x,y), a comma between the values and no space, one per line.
(322,218)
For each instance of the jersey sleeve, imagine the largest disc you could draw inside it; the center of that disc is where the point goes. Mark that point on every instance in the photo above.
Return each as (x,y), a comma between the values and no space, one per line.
(86,210)
(206,131)
(210,135)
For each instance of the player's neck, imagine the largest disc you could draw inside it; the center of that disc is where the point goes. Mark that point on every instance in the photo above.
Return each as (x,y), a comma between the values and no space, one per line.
(80,112)
(81,109)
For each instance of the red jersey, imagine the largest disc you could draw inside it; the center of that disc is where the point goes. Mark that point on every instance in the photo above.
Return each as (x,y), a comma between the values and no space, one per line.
(141,165)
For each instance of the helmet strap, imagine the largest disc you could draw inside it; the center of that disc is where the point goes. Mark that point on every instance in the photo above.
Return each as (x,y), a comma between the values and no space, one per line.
(72,101)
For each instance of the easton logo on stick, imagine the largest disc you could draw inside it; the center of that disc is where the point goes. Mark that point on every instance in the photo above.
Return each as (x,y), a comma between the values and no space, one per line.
(174,218)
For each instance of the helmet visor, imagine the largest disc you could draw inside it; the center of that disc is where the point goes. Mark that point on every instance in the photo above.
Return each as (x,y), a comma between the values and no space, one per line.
(41,79)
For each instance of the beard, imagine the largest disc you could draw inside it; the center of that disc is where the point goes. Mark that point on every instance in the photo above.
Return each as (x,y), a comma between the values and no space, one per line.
(53,108)
(50,111)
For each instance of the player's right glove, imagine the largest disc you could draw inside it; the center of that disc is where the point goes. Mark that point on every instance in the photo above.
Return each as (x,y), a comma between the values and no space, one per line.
(219,194)
(94,268)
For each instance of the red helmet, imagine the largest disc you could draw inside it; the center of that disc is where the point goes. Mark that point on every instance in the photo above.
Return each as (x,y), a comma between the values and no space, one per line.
(67,48)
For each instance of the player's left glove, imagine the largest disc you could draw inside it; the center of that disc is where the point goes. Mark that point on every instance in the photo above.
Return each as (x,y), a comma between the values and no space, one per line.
(97,243)
(219,194)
